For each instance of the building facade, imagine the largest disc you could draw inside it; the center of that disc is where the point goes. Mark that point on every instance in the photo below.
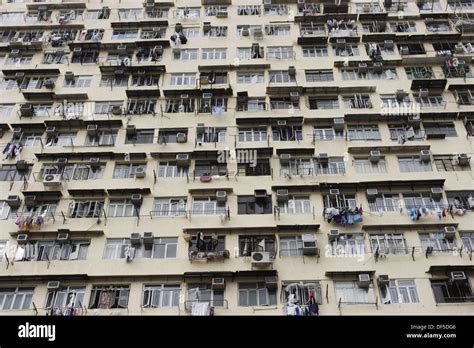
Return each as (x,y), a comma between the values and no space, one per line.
(236,157)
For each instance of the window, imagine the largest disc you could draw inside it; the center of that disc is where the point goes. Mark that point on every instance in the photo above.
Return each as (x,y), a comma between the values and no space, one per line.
(49,250)
(6,109)
(109,296)
(423,72)
(353,74)
(437,241)
(141,106)
(62,139)
(319,75)
(126,171)
(104,138)
(191,32)
(166,136)
(414,164)
(301,291)
(124,34)
(281,52)
(250,244)
(163,248)
(291,246)
(170,169)
(54,58)
(461,4)
(252,134)
(85,57)
(277,30)
(130,13)
(105,107)
(348,245)
(204,168)
(79,171)
(385,202)
(15,298)
(45,208)
(211,135)
(403,133)
(10,173)
(461,199)
(262,167)
(213,53)
(116,248)
(335,165)
(327,133)
(295,205)
(253,205)
(207,244)
(11,17)
(357,102)
(160,296)
(400,291)
(363,132)
(429,6)
(152,34)
(366,166)
(250,77)
(249,10)
(347,51)
(282,133)
(388,243)
(3,248)
(180,105)
(438,26)
(186,54)
(434,129)
(188,12)
(208,206)
(448,164)
(79,82)
(446,291)
(85,209)
(280,76)
(349,292)
(403,27)
(104,13)
(181,79)
(256,294)
(466,237)
(122,208)
(214,10)
(142,136)
(4,213)
(65,297)
(340,201)
(205,293)
(22,59)
(297,166)
(315,51)
(421,200)
(276,10)
(141,81)
(252,104)
(323,103)
(169,206)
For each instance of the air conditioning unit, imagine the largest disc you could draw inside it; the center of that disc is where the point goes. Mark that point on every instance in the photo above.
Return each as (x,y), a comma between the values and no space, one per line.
(140,173)
(14,201)
(148,238)
(261,258)
(69,76)
(61,162)
(94,162)
(135,239)
(116,110)
(26,110)
(182,160)
(221,14)
(19,76)
(436,192)
(363,68)
(363,280)
(429,250)
(285,158)
(339,123)
(62,237)
(282,195)
(414,120)
(184,96)
(22,238)
(52,179)
(388,44)
(383,280)
(260,194)
(372,192)
(92,130)
(51,132)
(470,202)
(131,130)
(218,283)
(245,31)
(323,158)
(49,83)
(295,96)
(449,232)
(122,49)
(462,159)
(30,201)
(16,52)
(309,244)
(292,71)
(221,196)
(53,285)
(423,93)
(400,94)
(374,156)
(281,122)
(459,48)
(200,128)
(258,32)
(181,138)
(207,96)
(333,192)
(136,199)
(458,276)
(77,50)
(366,8)
(425,155)
(301,2)
(17,133)
(21,166)
(158,49)
(333,235)
(340,43)
(404,50)
(271,283)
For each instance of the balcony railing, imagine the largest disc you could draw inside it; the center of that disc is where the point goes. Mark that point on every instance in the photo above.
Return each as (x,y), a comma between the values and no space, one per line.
(211,255)
(213,303)
(454,299)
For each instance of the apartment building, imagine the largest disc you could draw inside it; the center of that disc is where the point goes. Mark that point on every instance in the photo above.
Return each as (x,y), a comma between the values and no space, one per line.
(236,157)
